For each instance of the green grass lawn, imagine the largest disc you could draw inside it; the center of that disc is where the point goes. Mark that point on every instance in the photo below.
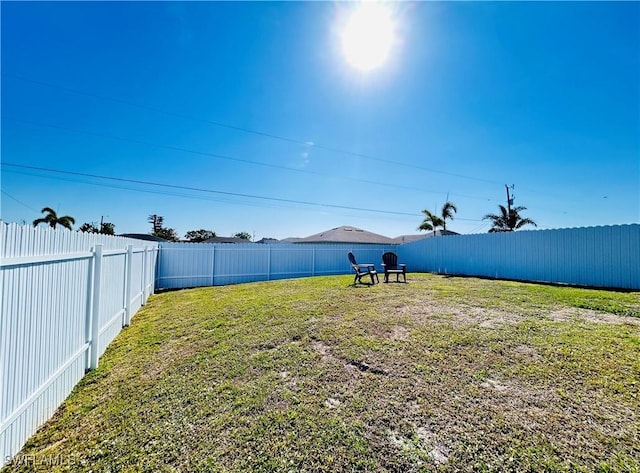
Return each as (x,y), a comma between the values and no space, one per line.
(441,374)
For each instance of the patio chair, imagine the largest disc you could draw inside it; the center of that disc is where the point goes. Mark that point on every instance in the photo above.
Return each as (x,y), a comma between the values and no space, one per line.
(363,270)
(391,266)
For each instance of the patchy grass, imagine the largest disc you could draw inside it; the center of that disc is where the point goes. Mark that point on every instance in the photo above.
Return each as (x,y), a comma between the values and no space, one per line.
(441,374)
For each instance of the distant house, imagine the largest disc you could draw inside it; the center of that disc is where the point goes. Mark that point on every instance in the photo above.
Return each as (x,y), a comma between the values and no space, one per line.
(291,240)
(226,240)
(346,234)
(268,241)
(142,236)
(409,238)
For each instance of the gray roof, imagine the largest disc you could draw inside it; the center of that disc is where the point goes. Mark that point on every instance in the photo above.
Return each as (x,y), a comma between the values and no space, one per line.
(267,240)
(346,234)
(409,238)
(218,239)
(291,240)
(142,236)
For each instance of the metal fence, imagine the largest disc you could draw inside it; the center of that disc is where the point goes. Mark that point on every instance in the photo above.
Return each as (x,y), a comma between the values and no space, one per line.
(215,264)
(65,296)
(607,256)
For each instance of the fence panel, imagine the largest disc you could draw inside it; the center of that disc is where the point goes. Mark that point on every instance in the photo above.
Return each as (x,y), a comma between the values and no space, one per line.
(596,256)
(205,264)
(47,282)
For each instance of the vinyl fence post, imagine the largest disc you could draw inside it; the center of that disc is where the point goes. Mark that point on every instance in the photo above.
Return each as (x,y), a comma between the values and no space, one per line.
(95,310)
(213,266)
(127,287)
(152,270)
(144,276)
(269,263)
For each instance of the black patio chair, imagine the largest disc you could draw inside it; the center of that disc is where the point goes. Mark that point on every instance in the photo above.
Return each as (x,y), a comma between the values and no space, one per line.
(363,270)
(391,266)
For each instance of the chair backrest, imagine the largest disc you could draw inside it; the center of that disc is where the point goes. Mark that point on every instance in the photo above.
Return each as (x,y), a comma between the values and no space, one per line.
(390,259)
(352,259)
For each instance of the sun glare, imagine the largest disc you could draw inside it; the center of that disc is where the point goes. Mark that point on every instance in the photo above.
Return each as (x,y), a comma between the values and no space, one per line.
(368,36)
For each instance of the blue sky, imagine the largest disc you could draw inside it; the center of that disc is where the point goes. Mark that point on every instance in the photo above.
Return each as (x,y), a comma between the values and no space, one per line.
(256,99)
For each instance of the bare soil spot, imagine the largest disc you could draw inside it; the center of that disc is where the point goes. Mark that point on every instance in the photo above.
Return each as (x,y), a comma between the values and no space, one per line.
(331,403)
(169,354)
(588,315)
(399,333)
(527,352)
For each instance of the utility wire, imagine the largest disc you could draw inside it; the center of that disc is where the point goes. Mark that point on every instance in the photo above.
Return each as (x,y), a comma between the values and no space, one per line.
(208,198)
(247,130)
(212,191)
(240,160)
(18,201)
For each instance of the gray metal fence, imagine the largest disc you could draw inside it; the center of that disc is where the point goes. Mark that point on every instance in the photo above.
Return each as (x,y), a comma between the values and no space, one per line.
(65,296)
(207,264)
(607,256)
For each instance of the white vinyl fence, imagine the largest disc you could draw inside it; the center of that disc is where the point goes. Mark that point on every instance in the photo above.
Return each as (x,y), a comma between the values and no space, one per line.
(215,264)
(607,257)
(65,296)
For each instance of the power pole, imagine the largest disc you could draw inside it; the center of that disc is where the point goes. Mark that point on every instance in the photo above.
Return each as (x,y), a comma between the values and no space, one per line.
(509,198)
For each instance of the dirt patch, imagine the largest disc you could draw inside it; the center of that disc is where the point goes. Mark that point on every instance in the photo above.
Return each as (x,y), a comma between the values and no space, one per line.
(526,351)
(459,315)
(331,403)
(495,385)
(426,443)
(428,312)
(588,315)
(169,355)
(321,348)
(400,333)
(327,355)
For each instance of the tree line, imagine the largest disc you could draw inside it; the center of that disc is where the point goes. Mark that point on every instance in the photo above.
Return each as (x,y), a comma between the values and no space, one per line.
(508,220)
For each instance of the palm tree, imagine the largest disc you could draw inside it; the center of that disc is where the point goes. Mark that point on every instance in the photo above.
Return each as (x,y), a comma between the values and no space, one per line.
(431,221)
(51,218)
(508,220)
(448,209)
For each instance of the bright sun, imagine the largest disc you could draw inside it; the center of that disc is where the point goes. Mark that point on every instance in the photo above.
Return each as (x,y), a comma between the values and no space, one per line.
(368,36)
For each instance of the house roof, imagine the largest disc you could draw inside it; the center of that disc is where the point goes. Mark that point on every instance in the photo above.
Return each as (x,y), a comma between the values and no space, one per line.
(142,236)
(346,234)
(409,238)
(218,239)
(291,240)
(267,240)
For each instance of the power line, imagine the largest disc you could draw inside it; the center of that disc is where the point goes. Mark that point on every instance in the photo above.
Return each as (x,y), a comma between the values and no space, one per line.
(246,130)
(212,191)
(229,158)
(175,194)
(18,201)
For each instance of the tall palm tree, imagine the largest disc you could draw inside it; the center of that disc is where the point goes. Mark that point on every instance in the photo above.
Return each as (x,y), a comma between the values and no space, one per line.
(508,220)
(51,218)
(448,209)
(431,221)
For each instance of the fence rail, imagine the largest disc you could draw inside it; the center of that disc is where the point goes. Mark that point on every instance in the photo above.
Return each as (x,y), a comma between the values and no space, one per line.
(65,296)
